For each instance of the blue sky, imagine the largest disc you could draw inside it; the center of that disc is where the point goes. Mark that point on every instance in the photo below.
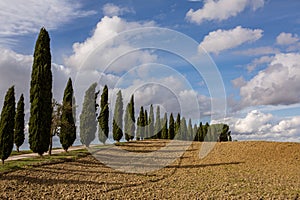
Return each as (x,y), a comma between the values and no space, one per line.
(252,45)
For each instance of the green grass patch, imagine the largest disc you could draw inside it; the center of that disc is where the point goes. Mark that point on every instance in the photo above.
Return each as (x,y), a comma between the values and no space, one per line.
(44,160)
(15,153)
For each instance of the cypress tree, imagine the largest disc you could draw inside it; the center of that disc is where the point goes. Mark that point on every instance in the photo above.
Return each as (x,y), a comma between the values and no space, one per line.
(157,128)
(88,123)
(171,131)
(103,117)
(138,130)
(74,106)
(151,122)
(127,123)
(146,135)
(229,136)
(177,127)
(190,131)
(118,118)
(183,129)
(200,133)
(195,132)
(67,133)
(41,95)
(131,117)
(7,123)
(205,131)
(164,131)
(141,124)
(19,135)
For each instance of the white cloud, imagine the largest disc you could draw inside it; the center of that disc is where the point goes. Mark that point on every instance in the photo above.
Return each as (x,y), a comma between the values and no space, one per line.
(110,10)
(259,61)
(22,17)
(108,50)
(257,125)
(239,82)
(15,69)
(276,85)
(221,40)
(221,9)
(254,122)
(257,51)
(286,39)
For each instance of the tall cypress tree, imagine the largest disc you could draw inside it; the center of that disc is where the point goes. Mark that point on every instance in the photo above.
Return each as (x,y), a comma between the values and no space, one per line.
(157,128)
(103,117)
(183,129)
(118,118)
(131,117)
(141,124)
(74,106)
(138,129)
(195,133)
(151,122)
(171,131)
(190,131)
(19,135)
(41,95)
(67,133)
(164,131)
(88,123)
(200,133)
(127,123)
(146,135)
(7,123)
(177,127)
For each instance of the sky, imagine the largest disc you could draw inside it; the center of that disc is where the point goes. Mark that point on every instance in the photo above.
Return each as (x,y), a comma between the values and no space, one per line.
(221,61)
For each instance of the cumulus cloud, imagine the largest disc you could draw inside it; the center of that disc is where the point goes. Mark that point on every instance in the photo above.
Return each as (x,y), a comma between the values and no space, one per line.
(22,17)
(259,61)
(110,10)
(257,125)
(278,84)
(239,82)
(221,10)
(221,40)
(109,50)
(286,38)
(15,69)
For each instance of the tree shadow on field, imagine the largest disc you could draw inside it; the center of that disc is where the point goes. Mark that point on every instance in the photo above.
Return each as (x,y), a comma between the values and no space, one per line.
(49,181)
(203,165)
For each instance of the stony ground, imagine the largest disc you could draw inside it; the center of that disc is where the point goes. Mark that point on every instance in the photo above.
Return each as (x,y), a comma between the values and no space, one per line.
(236,170)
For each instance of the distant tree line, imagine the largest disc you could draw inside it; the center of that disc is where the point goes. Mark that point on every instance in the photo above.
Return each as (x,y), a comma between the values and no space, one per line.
(144,127)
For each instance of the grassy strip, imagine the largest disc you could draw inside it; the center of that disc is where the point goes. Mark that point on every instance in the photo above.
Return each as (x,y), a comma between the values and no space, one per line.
(15,153)
(44,160)
(21,152)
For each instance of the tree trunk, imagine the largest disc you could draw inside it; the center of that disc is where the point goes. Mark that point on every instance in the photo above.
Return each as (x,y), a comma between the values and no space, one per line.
(50,146)
(2,162)
(18,149)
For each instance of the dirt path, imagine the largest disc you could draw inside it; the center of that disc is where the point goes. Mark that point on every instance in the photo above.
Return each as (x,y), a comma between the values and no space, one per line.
(245,170)
(54,151)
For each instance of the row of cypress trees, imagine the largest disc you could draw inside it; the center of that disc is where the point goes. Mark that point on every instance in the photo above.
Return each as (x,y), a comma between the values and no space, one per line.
(145,127)
(11,125)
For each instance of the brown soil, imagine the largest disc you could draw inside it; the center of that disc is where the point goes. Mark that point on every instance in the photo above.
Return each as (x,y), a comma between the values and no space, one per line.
(245,170)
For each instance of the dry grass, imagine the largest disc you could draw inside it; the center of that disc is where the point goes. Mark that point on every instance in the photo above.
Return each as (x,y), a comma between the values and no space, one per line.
(245,170)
